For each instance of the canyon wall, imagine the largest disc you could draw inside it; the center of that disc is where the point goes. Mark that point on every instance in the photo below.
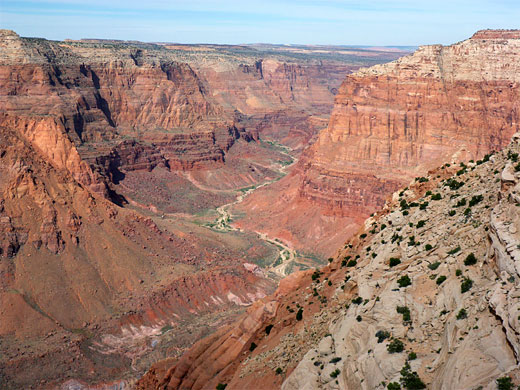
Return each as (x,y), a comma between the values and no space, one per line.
(423,297)
(391,123)
(94,292)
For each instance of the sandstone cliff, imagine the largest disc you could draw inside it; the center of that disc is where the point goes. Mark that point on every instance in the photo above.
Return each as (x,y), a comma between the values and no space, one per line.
(390,123)
(422,297)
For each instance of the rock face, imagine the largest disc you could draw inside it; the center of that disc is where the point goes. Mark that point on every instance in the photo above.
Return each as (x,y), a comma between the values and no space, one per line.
(393,122)
(423,296)
(94,291)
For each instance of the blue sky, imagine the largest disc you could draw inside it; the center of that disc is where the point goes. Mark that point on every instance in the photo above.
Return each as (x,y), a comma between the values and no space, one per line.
(344,22)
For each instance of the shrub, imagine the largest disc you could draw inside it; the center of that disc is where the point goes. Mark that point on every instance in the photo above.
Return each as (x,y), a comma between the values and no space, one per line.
(221,386)
(410,379)
(352,263)
(404,281)
(393,386)
(335,360)
(405,212)
(358,318)
(395,346)
(451,213)
(330,259)
(405,312)
(505,383)
(421,223)
(395,238)
(454,184)
(357,301)
(315,275)
(382,335)
(454,250)
(470,259)
(436,196)
(458,272)
(329,283)
(512,156)
(422,179)
(517,167)
(428,247)
(412,356)
(440,279)
(467,211)
(428,193)
(394,261)
(363,235)
(476,199)
(434,266)
(335,373)
(278,371)
(466,285)
(461,202)
(268,329)
(423,206)
(252,347)
(299,315)
(462,314)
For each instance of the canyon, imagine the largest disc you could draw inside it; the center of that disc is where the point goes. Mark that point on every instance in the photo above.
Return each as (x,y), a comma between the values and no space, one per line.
(423,294)
(114,157)
(155,196)
(391,123)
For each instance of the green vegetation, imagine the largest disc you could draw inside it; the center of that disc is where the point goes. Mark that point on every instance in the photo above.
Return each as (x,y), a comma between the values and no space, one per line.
(166,328)
(453,184)
(475,200)
(268,329)
(252,347)
(458,272)
(404,281)
(299,314)
(440,279)
(412,356)
(466,285)
(278,371)
(421,223)
(436,196)
(395,346)
(454,250)
(382,335)
(505,383)
(393,386)
(451,213)
(423,206)
(434,266)
(470,259)
(352,263)
(363,235)
(405,312)
(512,156)
(357,301)
(221,386)
(335,373)
(461,202)
(359,318)
(428,247)
(394,261)
(462,314)
(335,360)
(410,379)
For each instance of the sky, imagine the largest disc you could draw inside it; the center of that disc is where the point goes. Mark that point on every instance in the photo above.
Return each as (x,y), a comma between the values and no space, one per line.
(334,22)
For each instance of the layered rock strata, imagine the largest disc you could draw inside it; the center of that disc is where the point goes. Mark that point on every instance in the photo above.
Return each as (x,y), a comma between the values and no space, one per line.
(390,123)
(422,297)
